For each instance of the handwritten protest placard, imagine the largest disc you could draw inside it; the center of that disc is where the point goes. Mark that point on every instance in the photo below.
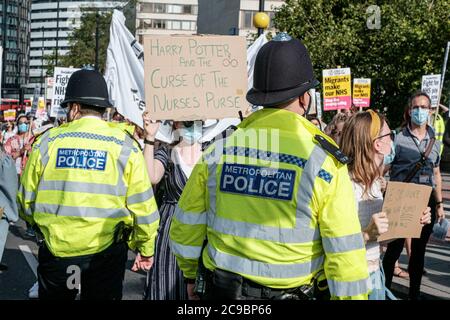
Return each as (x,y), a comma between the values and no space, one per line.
(337,89)
(361,93)
(195,77)
(61,78)
(431,85)
(10,115)
(404,204)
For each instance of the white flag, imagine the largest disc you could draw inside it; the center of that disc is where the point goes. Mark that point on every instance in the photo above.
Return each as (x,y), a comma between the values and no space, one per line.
(252,52)
(124,75)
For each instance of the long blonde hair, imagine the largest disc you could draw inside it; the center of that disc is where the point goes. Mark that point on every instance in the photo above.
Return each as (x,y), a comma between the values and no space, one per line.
(357,141)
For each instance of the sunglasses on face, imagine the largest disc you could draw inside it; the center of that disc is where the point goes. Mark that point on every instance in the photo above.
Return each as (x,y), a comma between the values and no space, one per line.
(391,134)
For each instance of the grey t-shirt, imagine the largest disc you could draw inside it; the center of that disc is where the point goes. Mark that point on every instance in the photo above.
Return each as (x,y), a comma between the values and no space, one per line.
(407,154)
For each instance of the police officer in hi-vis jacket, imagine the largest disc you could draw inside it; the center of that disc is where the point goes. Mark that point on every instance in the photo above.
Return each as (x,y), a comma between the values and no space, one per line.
(86,189)
(269,211)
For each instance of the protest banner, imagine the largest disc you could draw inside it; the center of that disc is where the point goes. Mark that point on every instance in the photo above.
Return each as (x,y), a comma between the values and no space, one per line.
(313,104)
(35,101)
(431,85)
(337,89)
(9,115)
(319,105)
(195,77)
(41,111)
(61,79)
(404,204)
(361,93)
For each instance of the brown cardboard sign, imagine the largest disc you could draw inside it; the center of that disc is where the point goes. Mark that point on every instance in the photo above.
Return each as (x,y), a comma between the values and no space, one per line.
(195,77)
(404,204)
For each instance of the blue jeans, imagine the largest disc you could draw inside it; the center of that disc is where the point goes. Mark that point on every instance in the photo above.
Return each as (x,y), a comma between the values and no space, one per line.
(4,226)
(379,290)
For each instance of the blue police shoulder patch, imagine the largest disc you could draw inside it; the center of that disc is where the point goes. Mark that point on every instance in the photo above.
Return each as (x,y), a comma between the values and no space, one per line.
(258,181)
(84,159)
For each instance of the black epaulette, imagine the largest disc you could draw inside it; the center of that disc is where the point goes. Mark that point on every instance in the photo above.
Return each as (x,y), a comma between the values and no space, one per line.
(332,150)
(223,135)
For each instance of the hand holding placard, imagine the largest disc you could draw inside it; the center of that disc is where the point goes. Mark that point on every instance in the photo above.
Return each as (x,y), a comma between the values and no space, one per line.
(404,204)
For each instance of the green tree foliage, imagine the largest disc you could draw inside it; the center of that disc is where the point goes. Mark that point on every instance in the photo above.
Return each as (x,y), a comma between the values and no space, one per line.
(82,40)
(410,43)
(49,63)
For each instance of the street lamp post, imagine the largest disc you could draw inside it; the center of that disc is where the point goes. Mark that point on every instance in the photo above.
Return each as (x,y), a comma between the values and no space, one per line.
(261,9)
(97,36)
(42,61)
(261,19)
(57,33)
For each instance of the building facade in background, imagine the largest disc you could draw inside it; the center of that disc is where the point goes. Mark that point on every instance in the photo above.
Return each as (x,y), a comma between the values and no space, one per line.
(232,17)
(15,40)
(163,17)
(52,21)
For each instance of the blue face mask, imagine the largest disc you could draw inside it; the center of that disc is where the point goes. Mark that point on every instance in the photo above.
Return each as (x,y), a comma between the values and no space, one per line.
(23,127)
(191,134)
(388,158)
(419,116)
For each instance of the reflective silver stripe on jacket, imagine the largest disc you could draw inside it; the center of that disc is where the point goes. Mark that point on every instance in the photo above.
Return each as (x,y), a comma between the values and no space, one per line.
(140,197)
(119,189)
(43,148)
(343,244)
(263,269)
(188,252)
(85,212)
(300,233)
(348,288)
(148,219)
(188,217)
(29,212)
(27,195)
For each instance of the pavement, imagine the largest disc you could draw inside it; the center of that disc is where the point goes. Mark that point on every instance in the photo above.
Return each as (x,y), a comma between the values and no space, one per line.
(436,282)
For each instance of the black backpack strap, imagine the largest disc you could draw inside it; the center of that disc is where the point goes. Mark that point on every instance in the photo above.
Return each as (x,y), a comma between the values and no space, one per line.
(421,162)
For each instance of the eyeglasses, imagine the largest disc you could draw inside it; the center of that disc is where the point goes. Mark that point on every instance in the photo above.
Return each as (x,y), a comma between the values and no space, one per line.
(392,135)
(421,107)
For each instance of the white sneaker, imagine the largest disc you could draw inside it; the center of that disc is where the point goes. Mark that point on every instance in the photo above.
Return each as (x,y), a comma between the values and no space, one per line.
(33,293)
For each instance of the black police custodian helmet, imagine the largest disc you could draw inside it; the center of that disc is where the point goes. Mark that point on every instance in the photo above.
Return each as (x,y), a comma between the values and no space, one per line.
(283,72)
(87,87)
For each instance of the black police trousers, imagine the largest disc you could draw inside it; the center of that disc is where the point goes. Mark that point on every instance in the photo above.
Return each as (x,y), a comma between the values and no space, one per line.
(100,275)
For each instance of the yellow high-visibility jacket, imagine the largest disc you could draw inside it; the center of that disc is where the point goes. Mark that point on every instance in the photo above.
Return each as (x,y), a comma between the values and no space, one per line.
(439,129)
(277,218)
(82,179)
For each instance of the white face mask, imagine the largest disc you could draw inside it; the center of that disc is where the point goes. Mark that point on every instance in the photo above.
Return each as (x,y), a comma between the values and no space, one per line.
(192,134)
